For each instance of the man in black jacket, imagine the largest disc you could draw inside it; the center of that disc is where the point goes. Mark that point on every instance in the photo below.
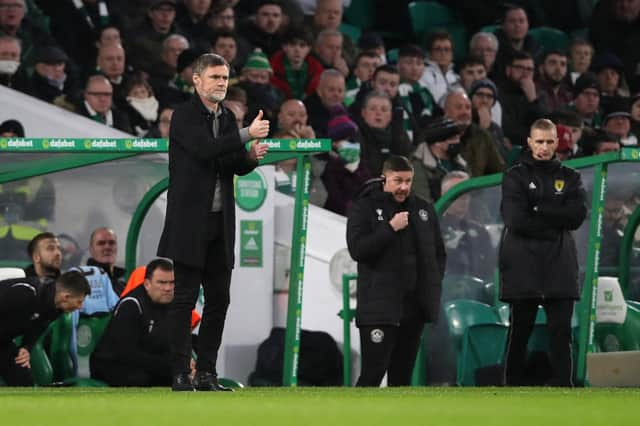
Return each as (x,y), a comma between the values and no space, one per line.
(395,238)
(27,307)
(134,350)
(542,202)
(205,153)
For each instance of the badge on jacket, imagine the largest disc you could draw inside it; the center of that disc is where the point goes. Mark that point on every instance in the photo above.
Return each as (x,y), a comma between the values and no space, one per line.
(424,215)
(380,218)
(558,184)
(377,335)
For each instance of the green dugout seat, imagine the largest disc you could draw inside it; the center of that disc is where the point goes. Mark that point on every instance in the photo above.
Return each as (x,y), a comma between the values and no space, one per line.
(351,31)
(360,13)
(90,329)
(550,38)
(463,287)
(483,345)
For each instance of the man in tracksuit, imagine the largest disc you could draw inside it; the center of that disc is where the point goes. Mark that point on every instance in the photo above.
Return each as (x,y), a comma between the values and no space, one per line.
(395,238)
(542,202)
(27,307)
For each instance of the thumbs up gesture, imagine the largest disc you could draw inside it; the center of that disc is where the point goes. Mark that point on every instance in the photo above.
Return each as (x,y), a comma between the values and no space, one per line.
(259,128)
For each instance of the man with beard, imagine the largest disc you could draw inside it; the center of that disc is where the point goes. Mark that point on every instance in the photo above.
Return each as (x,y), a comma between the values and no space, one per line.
(44,251)
(395,238)
(206,151)
(551,85)
(476,145)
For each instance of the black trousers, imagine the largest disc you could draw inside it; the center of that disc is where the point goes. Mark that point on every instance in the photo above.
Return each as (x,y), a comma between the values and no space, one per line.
(10,372)
(117,374)
(523,316)
(389,349)
(215,278)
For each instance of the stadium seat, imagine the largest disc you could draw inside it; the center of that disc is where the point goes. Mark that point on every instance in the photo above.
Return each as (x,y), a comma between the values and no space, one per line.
(58,336)
(9,273)
(90,330)
(41,368)
(360,13)
(429,16)
(550,38)
(351,31)
(483,345)
(462,314)
(462,287)
(392,56)
(490,28)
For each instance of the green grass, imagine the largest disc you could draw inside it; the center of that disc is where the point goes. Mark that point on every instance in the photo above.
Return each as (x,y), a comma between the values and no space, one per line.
(320,406)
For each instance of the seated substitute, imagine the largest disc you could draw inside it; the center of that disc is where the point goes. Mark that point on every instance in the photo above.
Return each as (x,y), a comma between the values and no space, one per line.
(395,238)
(27,307)
(134,350)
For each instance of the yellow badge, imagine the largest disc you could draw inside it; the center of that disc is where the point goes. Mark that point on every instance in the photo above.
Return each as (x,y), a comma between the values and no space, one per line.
(558,184)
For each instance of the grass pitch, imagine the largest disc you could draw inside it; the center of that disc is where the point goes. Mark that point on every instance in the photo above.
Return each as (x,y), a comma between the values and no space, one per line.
(320,406)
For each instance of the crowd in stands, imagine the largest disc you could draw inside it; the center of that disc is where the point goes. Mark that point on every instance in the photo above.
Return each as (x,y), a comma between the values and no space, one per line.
(374,92)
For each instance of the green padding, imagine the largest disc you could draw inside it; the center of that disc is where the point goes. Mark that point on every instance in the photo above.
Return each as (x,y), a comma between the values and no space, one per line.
(427,16)
(550,38)
(360,13)
(350,31)
(462,314)
(90,330)
(482,345)
(463,287)
(40,366)
(60,347)
(230,383)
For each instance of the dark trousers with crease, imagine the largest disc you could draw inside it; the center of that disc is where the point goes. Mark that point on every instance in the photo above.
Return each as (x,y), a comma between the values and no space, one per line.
(215,278)
(10,372)
(523,317)
(395,354)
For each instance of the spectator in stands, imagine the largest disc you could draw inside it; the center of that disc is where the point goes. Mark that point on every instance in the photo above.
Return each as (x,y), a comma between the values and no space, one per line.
(580,56)
(225,44)
(485,46)
(12,75)
(572,121)
(599,142)
(472,69)
(222,20)
(438,155)
(296,73)
(617,121)
(108,34)
(586,100)
(635,113)
(366,64)
(613,224)
(46,256)
(380,136)
(265,31)
(344,173)
(513,38)
(328,50)
(566,144)
(416,99)
(14,23)
(517,93)
(328,16)
(439,75)
(142,105)
(476,145)
(191,17)
(180,88)
(161,128)
(238,109)
(372,42)
(50,81)
(134,349)
(165,69)
(609,70)
(98,104)
(614,28)
(551,84)
(144,46)
(27,307)
(11,129)
(292,118)
(103,248)
(111,63)
(255,82)
(330,93)
(483,95)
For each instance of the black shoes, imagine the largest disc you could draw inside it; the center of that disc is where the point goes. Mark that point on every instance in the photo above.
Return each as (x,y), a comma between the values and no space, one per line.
(182,383)
(207,382)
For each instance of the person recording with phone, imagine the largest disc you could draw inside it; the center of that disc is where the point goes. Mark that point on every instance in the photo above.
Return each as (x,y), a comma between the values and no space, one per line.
(395,238)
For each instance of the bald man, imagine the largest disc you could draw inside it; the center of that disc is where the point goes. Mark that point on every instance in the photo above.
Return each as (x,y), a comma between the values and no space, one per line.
(292,118)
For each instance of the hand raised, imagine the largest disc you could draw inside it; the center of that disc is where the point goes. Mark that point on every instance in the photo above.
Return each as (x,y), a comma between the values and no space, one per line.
(399,221)
(259,128)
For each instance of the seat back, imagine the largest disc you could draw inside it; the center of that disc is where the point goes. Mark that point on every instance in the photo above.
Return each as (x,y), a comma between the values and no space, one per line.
(483,345)
(90,330)
(550,38)
(462,314)
(9,273)
(611,307)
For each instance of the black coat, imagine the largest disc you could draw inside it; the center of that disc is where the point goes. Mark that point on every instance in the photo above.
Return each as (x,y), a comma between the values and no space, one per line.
(195,159)
(137,335)
(542,201)
(26,309)
(380,253)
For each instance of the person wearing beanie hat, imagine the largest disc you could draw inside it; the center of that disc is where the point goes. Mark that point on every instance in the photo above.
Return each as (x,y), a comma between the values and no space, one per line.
(565,143)
(617,120)
(572,121)
(483,95)
(586,100)
(609,70)
(254,80)
(344,173)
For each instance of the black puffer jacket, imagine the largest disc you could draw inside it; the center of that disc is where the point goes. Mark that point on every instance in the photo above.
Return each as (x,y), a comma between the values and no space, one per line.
(542,201)
(381,254)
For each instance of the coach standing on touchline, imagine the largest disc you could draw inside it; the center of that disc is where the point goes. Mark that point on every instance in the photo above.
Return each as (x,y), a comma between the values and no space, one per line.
(206,150)
(542,201)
